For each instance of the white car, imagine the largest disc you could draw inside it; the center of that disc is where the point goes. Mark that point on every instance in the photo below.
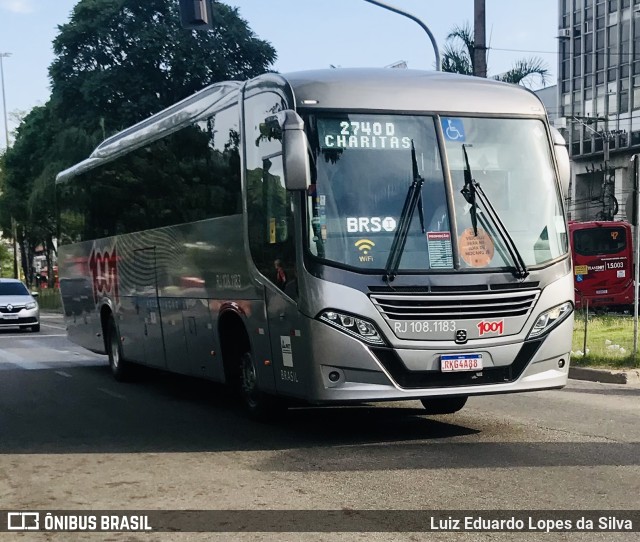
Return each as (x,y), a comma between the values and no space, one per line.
(18,308)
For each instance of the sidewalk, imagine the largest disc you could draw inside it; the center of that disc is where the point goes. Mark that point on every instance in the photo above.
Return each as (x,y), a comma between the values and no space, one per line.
(607,376)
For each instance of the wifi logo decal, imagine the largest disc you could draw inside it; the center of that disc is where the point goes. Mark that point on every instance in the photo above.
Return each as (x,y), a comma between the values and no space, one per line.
(364,246)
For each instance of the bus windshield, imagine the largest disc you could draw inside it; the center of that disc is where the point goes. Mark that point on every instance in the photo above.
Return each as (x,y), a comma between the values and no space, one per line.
(364,171)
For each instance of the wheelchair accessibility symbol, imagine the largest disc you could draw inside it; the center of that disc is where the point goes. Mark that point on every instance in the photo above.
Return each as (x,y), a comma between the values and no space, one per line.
(453,129)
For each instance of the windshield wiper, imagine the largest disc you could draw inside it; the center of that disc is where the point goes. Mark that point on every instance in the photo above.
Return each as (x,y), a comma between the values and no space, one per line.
(469,191)
(414,196)
(472,189)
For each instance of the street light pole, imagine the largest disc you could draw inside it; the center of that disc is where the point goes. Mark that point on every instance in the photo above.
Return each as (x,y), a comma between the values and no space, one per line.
(4,101)
(6,139)
(413,18)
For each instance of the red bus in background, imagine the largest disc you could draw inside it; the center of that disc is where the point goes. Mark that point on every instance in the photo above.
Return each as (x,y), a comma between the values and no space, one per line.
(602,263)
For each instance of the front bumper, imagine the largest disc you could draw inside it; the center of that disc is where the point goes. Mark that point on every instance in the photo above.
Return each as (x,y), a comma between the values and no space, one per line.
(370,374)
(25,317)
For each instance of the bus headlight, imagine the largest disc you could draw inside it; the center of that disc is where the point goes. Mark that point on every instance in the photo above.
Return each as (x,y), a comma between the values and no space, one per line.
(549,319)
(356,327)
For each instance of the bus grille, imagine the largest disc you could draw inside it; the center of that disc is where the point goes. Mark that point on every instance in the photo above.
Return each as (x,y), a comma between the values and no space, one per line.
(455,307)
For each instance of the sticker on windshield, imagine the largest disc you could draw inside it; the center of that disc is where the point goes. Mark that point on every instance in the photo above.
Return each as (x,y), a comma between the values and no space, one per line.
(476,250)
(453,129)
(365,246)
(439,247)
(359,224)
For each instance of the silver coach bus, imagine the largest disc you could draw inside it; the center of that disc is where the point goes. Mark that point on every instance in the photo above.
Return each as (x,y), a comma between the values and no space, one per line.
(328,236)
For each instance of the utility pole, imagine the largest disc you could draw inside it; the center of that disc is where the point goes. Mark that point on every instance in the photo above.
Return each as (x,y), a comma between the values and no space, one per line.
(479,39)
(609,202)
(635,219)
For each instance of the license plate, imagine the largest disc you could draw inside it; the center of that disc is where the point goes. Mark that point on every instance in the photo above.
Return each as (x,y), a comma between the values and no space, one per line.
(450,363)
(601,292)
(10,316)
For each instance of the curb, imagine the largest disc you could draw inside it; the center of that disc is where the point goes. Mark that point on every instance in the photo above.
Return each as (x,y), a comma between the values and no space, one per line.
(631,376)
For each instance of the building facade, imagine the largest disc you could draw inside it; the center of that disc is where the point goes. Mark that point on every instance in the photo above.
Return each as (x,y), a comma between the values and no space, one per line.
(599,103)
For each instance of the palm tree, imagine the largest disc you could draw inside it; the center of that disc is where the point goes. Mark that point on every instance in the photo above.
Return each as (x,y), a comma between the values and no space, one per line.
(523,70)
(457,57)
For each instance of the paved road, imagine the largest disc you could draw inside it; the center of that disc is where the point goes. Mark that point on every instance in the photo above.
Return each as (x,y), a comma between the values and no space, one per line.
(48,349)
(73,438)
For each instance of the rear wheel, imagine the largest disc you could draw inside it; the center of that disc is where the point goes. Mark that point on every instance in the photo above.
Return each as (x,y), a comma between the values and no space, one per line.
(443,405)
(120,369)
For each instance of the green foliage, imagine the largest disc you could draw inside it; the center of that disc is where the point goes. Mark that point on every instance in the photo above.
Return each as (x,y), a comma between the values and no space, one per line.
(523,70)
(609,341)
(116,63)
(120,61)
(458,57)
(6,261)
(49,299)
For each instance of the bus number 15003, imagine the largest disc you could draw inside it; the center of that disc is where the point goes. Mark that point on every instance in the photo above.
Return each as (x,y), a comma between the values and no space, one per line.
(419,326)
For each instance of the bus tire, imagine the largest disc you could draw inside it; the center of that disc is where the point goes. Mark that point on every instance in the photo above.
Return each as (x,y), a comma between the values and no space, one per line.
(443,405)
(259,405)
(120,369)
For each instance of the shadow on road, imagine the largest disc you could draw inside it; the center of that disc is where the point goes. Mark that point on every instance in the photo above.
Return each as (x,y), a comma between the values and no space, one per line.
(83,410)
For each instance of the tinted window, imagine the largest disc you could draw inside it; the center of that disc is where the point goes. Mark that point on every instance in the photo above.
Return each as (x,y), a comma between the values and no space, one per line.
(13,288)
(190,175)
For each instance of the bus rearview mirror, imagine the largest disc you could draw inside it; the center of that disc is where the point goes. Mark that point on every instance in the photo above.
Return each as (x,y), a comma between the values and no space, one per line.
(297,173)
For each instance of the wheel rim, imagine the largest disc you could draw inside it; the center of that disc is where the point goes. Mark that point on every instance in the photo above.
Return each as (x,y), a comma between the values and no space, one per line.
(249,379)
(115,351)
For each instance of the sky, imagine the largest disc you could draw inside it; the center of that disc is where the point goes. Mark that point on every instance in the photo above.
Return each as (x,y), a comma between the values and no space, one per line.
(306,34)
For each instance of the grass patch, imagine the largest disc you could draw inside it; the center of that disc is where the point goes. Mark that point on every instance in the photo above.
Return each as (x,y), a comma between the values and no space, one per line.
(49,299)
(609,341)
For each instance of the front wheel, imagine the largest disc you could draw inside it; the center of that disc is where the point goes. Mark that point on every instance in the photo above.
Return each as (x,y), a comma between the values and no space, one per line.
(260,406)
(443,405)
(120,369)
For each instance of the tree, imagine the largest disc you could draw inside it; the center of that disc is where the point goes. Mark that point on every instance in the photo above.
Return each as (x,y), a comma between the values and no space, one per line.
(457,57)
(117,62)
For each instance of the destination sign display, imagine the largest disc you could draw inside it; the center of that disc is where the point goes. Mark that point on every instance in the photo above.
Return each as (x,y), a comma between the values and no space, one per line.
(376,133)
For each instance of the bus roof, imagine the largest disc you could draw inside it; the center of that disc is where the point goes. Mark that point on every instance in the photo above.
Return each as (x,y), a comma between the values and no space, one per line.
(411,90)
(590,224)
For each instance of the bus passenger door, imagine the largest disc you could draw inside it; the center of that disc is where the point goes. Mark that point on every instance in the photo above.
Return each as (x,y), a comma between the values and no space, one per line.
(148,306)
(282,290)
(286,342)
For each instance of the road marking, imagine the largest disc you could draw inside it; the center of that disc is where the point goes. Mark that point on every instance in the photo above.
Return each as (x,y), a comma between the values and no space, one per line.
(24,336)
(112,393)
(53,326)
(65,374)
(19,361)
